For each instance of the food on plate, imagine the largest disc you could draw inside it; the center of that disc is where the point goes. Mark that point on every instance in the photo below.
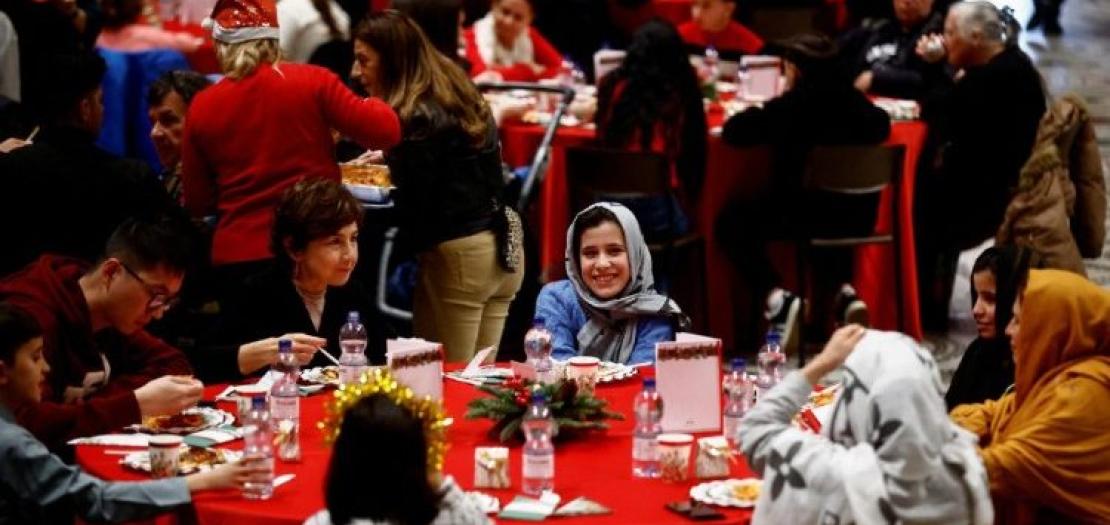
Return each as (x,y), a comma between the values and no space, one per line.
(366,174)
(825,396)
(746,491)
(330,373)
(183,420)
(196,458)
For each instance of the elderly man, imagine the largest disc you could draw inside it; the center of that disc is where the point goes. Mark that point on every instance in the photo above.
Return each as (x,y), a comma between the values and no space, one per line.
(168,101)
(106,371)
(880,53)
(980,135)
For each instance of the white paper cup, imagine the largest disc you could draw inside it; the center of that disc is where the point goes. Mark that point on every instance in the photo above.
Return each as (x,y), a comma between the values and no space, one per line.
(583,371)
(674,456)
(164,450)
(246,395)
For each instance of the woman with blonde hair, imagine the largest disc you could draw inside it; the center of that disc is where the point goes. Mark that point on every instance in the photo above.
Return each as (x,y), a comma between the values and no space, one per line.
(1046,444)
(449,182)
(265,125)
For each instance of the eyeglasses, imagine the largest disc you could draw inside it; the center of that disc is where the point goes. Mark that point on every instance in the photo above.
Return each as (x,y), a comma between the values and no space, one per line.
(158,298)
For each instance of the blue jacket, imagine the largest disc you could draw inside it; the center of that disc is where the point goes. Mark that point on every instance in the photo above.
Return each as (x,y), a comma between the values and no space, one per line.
(563,316)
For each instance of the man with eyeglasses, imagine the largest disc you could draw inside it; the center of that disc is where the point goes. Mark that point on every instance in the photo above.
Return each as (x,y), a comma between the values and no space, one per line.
(106,371)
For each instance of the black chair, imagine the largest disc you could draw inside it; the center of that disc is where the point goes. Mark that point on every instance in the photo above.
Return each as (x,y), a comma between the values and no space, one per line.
(598,174)
(778,22)
(848,171)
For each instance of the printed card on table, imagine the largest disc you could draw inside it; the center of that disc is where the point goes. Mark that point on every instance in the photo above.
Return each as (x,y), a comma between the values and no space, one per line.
(763,81)
(688,378)
(417,364)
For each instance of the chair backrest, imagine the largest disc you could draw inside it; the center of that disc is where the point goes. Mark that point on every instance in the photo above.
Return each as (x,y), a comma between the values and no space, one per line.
(595,174)
(853,169)
(774,23)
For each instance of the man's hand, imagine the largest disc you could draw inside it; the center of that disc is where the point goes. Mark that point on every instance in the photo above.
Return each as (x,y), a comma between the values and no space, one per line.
(168,395)
(258,354)
(840,345)
(12,144)
(863,81)
(931,48)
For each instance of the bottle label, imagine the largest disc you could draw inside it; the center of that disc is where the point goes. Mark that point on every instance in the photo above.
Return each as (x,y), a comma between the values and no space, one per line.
(541,466)
(732,425)
(645,449)
(282,407)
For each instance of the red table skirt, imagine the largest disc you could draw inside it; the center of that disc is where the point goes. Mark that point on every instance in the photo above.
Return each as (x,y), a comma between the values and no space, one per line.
(597,466)
(725,177)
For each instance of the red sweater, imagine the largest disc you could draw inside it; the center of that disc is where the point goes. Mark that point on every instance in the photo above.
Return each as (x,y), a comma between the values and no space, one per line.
(734,38)
(48,290)
(544,54)
(248,140)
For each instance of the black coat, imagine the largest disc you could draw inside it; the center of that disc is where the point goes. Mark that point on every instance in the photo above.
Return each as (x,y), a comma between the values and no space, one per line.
(269,306)
(888,51)
(980,135)
(64,195)
(985,372)
(446,186)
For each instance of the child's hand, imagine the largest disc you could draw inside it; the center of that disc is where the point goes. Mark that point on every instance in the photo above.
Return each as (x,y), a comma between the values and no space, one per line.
(840,345)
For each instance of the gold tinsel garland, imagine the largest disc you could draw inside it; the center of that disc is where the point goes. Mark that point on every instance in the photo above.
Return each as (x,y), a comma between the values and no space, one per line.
(378,381)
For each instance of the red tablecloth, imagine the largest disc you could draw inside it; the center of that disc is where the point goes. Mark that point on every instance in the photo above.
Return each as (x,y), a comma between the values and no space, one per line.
(598,467)
(725,177)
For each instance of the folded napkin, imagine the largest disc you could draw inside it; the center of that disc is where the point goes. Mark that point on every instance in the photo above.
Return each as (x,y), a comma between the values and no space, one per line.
(203,439)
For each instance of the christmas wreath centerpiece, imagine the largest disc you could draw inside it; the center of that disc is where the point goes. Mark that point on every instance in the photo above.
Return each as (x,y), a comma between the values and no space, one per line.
(572,410)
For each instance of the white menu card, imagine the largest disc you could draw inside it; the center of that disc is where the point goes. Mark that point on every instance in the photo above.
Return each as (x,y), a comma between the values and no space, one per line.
(688,378)
(762,80)
(417,364)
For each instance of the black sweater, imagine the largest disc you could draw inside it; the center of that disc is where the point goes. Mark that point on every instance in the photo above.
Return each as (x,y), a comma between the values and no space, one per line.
(885,49)
(63,195)
(982,132)
(985,372)
(446,186)
(269,306)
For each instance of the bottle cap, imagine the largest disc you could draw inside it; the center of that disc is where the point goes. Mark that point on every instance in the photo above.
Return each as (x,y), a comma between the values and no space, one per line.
(538,396)
(538,321)
(649,383)
(738,363)
(352,316)
(258,402)
(773,336)
(285,345)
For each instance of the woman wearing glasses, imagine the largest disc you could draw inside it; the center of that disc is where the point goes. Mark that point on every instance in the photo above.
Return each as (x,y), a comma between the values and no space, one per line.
(304,296)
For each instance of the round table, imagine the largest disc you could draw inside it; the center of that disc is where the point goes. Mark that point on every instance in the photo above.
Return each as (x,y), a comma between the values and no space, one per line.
(596,466)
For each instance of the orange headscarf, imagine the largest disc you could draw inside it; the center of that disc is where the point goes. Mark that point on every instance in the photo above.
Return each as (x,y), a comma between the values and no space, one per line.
(1046,445)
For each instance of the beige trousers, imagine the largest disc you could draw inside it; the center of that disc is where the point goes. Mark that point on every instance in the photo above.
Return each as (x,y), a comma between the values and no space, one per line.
(463,295)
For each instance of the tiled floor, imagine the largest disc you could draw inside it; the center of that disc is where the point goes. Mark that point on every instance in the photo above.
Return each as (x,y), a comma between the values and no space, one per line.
(1078,61)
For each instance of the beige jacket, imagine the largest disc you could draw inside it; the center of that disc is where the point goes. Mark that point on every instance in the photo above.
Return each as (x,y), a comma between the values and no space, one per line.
(1059,207)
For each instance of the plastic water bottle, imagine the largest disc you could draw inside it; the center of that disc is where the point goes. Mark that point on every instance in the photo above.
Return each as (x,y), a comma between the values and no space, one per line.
(739,387)
(258,449)
(352,340)
(285,404)
(537,346)
(771,360)
(648,407)
(538,461)
(742,77)
(712,63)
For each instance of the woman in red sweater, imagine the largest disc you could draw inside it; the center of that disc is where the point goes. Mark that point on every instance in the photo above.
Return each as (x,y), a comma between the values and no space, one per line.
(504,46)
(264,126)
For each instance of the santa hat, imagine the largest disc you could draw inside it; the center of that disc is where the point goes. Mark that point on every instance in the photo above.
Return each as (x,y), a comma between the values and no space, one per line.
(235,21)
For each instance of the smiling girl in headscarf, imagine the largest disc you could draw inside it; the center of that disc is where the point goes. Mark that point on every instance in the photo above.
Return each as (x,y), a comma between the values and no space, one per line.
(607,307)
(1046,444)
(889,453)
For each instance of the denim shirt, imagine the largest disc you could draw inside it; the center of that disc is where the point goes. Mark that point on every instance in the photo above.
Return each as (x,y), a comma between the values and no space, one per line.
(31,479)
(563,316)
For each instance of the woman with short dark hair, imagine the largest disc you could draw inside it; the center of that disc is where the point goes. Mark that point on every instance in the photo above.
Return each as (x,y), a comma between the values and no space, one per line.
(306,293)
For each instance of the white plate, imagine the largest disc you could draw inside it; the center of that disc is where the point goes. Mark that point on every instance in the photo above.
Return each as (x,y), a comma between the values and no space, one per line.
(140,460)
(213,417)
(611,372)
(316,375)
(720,493)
